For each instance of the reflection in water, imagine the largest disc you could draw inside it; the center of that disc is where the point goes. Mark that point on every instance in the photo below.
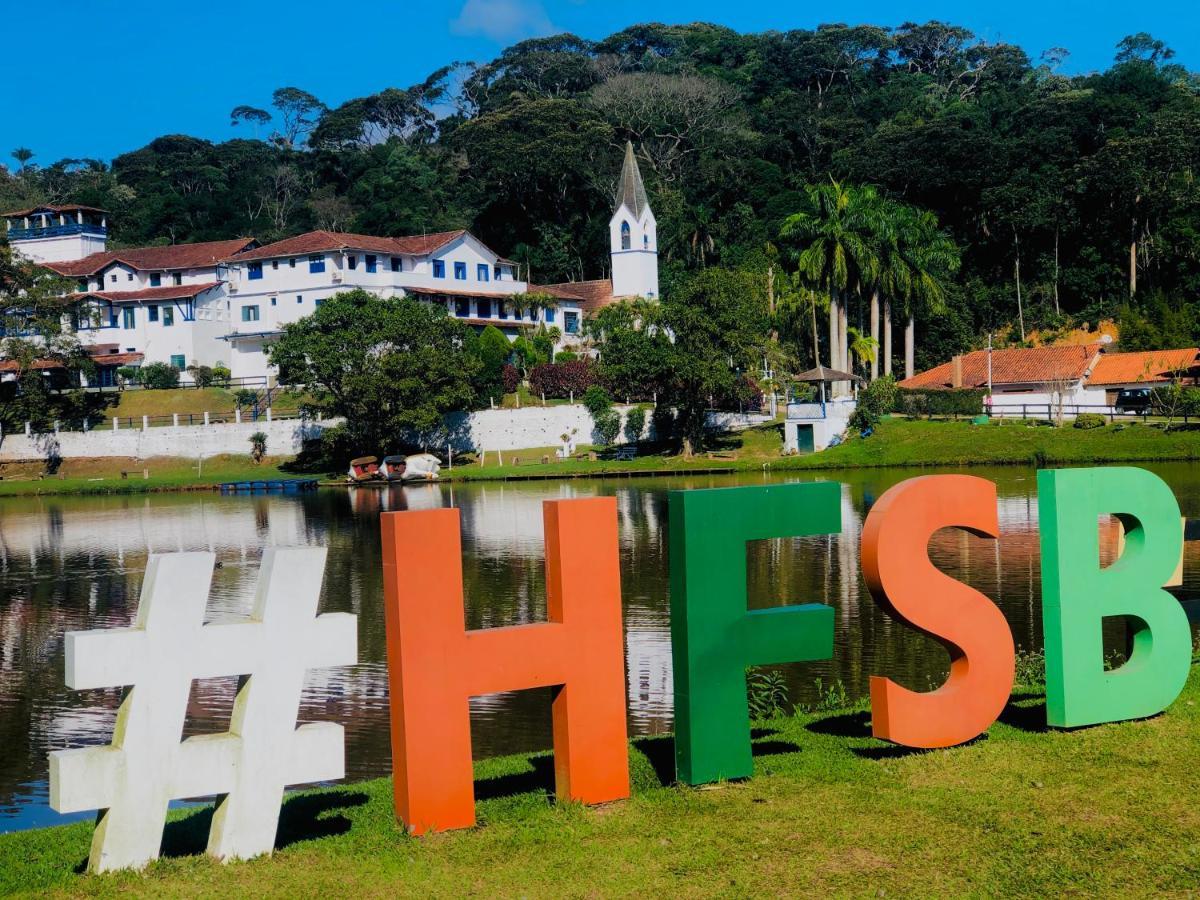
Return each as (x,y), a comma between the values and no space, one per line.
(77,562)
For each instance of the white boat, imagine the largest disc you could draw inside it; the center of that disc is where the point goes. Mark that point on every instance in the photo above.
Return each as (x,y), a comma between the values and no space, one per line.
(418,467)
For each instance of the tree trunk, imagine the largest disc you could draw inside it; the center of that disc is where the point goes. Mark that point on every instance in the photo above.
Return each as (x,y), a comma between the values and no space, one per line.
(875,333)
(1057,310)
(834,342)
(910,342)
(771,303)
(887,336)
(812,308)
(1133,261)
(1017,277)
(844,348)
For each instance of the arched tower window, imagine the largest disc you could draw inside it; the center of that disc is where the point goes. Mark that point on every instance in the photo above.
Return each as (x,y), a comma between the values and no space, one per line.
(645,242)
(625,239)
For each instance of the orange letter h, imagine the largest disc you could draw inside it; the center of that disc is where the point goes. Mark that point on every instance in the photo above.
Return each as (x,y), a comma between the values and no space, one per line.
(436,665)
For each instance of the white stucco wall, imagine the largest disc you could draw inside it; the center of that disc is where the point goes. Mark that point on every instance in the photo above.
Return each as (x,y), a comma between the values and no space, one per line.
(489,429)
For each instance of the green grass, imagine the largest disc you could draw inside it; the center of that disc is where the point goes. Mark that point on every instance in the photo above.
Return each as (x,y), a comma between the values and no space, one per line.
(103,475)
(897,442)
(189,401)
(1022,811)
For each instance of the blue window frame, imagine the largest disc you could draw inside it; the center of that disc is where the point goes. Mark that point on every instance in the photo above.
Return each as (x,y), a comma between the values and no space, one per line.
(549,315)
(155,279)
(625,244)
(571,322)
(372,263)
(299,298)
(274,301)
(502,312)
(292,263)
(352,261)
(460,271)
(250,313)
(481,271)
(397,264)
(178,362)
(129,317)
(483,309)
(439,268)
(254,271)
(462,308)
(168,314)
(152,313)
(497,271)
(316,264)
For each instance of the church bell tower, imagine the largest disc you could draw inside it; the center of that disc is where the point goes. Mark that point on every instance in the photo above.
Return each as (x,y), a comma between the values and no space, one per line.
(633,235)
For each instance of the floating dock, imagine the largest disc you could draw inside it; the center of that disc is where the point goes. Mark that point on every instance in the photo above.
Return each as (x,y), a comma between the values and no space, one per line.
(272,486)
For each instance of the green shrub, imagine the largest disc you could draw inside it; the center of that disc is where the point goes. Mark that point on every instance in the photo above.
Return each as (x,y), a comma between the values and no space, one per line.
(608,425)
(565,356)
(244,398)
(221,373)
(201,375)
(635,422)
(1089,420)
(127,373)
(597,400)
(158,376)
(766,694)
(939,401)
(874,401)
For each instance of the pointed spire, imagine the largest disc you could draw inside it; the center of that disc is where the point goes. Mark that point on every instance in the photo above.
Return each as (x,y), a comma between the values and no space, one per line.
(631,192)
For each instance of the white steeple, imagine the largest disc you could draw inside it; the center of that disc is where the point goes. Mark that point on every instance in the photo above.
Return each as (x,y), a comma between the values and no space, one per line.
(633,235)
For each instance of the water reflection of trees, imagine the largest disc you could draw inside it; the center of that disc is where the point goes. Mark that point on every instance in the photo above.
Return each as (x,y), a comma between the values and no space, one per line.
(74,563)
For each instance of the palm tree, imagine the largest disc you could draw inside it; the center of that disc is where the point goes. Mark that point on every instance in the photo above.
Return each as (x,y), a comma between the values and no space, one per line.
(863,347)
(834,251)
(22,155)
(930,256)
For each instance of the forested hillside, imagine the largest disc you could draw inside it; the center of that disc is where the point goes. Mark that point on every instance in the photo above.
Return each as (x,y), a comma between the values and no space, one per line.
(1076,195)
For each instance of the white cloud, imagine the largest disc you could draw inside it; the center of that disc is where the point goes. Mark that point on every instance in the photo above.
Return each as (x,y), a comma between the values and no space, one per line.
(503,20)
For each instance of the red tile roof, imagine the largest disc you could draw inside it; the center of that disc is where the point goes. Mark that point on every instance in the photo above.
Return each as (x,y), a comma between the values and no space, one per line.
(321,241)
(170,256)
(101,354)
(591,295)
(1034,365)
(1144,367)
(174,292)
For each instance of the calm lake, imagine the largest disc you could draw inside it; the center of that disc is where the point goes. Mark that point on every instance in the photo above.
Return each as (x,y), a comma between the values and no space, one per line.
(75,563)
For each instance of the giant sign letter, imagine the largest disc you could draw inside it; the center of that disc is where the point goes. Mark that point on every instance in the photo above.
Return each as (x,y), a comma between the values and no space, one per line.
(896,566)
(713,636)
(435,665)
(1077,595)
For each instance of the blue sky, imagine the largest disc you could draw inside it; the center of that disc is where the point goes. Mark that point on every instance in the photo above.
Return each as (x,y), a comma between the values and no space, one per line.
(109,75)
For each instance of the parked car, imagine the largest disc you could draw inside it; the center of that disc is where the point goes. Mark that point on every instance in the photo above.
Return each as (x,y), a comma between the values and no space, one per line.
(1132,400)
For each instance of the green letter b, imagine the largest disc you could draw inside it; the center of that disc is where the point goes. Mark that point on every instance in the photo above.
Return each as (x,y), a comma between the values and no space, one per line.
(1077,594)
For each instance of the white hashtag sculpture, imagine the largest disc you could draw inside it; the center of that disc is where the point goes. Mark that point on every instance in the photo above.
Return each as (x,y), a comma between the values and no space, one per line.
(147,764)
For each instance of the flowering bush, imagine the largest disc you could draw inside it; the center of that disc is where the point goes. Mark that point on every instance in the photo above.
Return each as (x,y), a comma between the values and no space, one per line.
(562,379)
(511,378)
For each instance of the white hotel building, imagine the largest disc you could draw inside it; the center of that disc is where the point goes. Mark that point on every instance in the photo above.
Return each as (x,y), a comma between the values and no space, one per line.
(224,302)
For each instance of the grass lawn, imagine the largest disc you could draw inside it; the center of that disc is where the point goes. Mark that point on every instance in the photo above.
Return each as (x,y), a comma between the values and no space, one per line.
(103,474)
(188,401)
(897,442)
(1022,811)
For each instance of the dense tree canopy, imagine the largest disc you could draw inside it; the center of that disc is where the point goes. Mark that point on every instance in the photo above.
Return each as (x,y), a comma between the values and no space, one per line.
(1064,196)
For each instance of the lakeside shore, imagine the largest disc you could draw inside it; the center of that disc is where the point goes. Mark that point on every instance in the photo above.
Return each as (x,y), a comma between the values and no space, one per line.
(1021,811)
(897,442)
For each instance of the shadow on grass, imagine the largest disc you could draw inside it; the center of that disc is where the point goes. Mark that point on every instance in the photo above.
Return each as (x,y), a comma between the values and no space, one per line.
(660,751)
(895,751)
(303,817)
(1026,712)
(539,781)
(847,725)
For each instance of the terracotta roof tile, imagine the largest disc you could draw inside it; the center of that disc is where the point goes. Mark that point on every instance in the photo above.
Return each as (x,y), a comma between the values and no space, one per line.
(174,292)
(1147,366)
(321,241)
(54,207)
(592,295)
(170,256)
(1034,365)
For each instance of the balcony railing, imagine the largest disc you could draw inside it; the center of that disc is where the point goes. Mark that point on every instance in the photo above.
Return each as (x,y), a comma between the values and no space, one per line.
(25,234)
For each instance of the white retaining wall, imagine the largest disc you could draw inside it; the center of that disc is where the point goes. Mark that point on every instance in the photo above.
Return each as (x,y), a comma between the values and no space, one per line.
(488,429)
